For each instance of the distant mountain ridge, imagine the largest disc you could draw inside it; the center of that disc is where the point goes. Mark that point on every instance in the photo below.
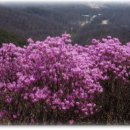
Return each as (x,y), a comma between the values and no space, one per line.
(40,21)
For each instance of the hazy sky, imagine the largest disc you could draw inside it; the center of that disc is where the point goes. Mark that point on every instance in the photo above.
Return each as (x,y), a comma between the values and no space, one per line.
(64,1)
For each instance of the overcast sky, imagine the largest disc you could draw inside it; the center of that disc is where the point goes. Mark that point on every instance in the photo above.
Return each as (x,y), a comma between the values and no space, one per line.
(65,1)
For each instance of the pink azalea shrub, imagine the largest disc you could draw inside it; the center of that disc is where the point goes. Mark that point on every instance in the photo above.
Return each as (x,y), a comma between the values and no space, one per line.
(56,77)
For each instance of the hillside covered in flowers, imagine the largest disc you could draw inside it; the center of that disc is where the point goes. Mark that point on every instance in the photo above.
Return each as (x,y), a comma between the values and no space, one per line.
(56,81)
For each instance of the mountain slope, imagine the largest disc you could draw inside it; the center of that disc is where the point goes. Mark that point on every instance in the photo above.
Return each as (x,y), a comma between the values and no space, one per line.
(83,21)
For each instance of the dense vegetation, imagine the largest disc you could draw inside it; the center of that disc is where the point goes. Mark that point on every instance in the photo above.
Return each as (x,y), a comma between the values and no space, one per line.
(9,37)
(57,82)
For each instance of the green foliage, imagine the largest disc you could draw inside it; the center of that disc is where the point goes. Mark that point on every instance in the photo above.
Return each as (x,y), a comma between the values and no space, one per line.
(10,37)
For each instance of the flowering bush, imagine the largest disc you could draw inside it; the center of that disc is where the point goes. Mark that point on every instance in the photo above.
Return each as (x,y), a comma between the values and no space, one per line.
(52,79)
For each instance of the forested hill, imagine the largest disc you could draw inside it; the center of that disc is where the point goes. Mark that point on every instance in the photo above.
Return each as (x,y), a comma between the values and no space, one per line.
(84,21)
